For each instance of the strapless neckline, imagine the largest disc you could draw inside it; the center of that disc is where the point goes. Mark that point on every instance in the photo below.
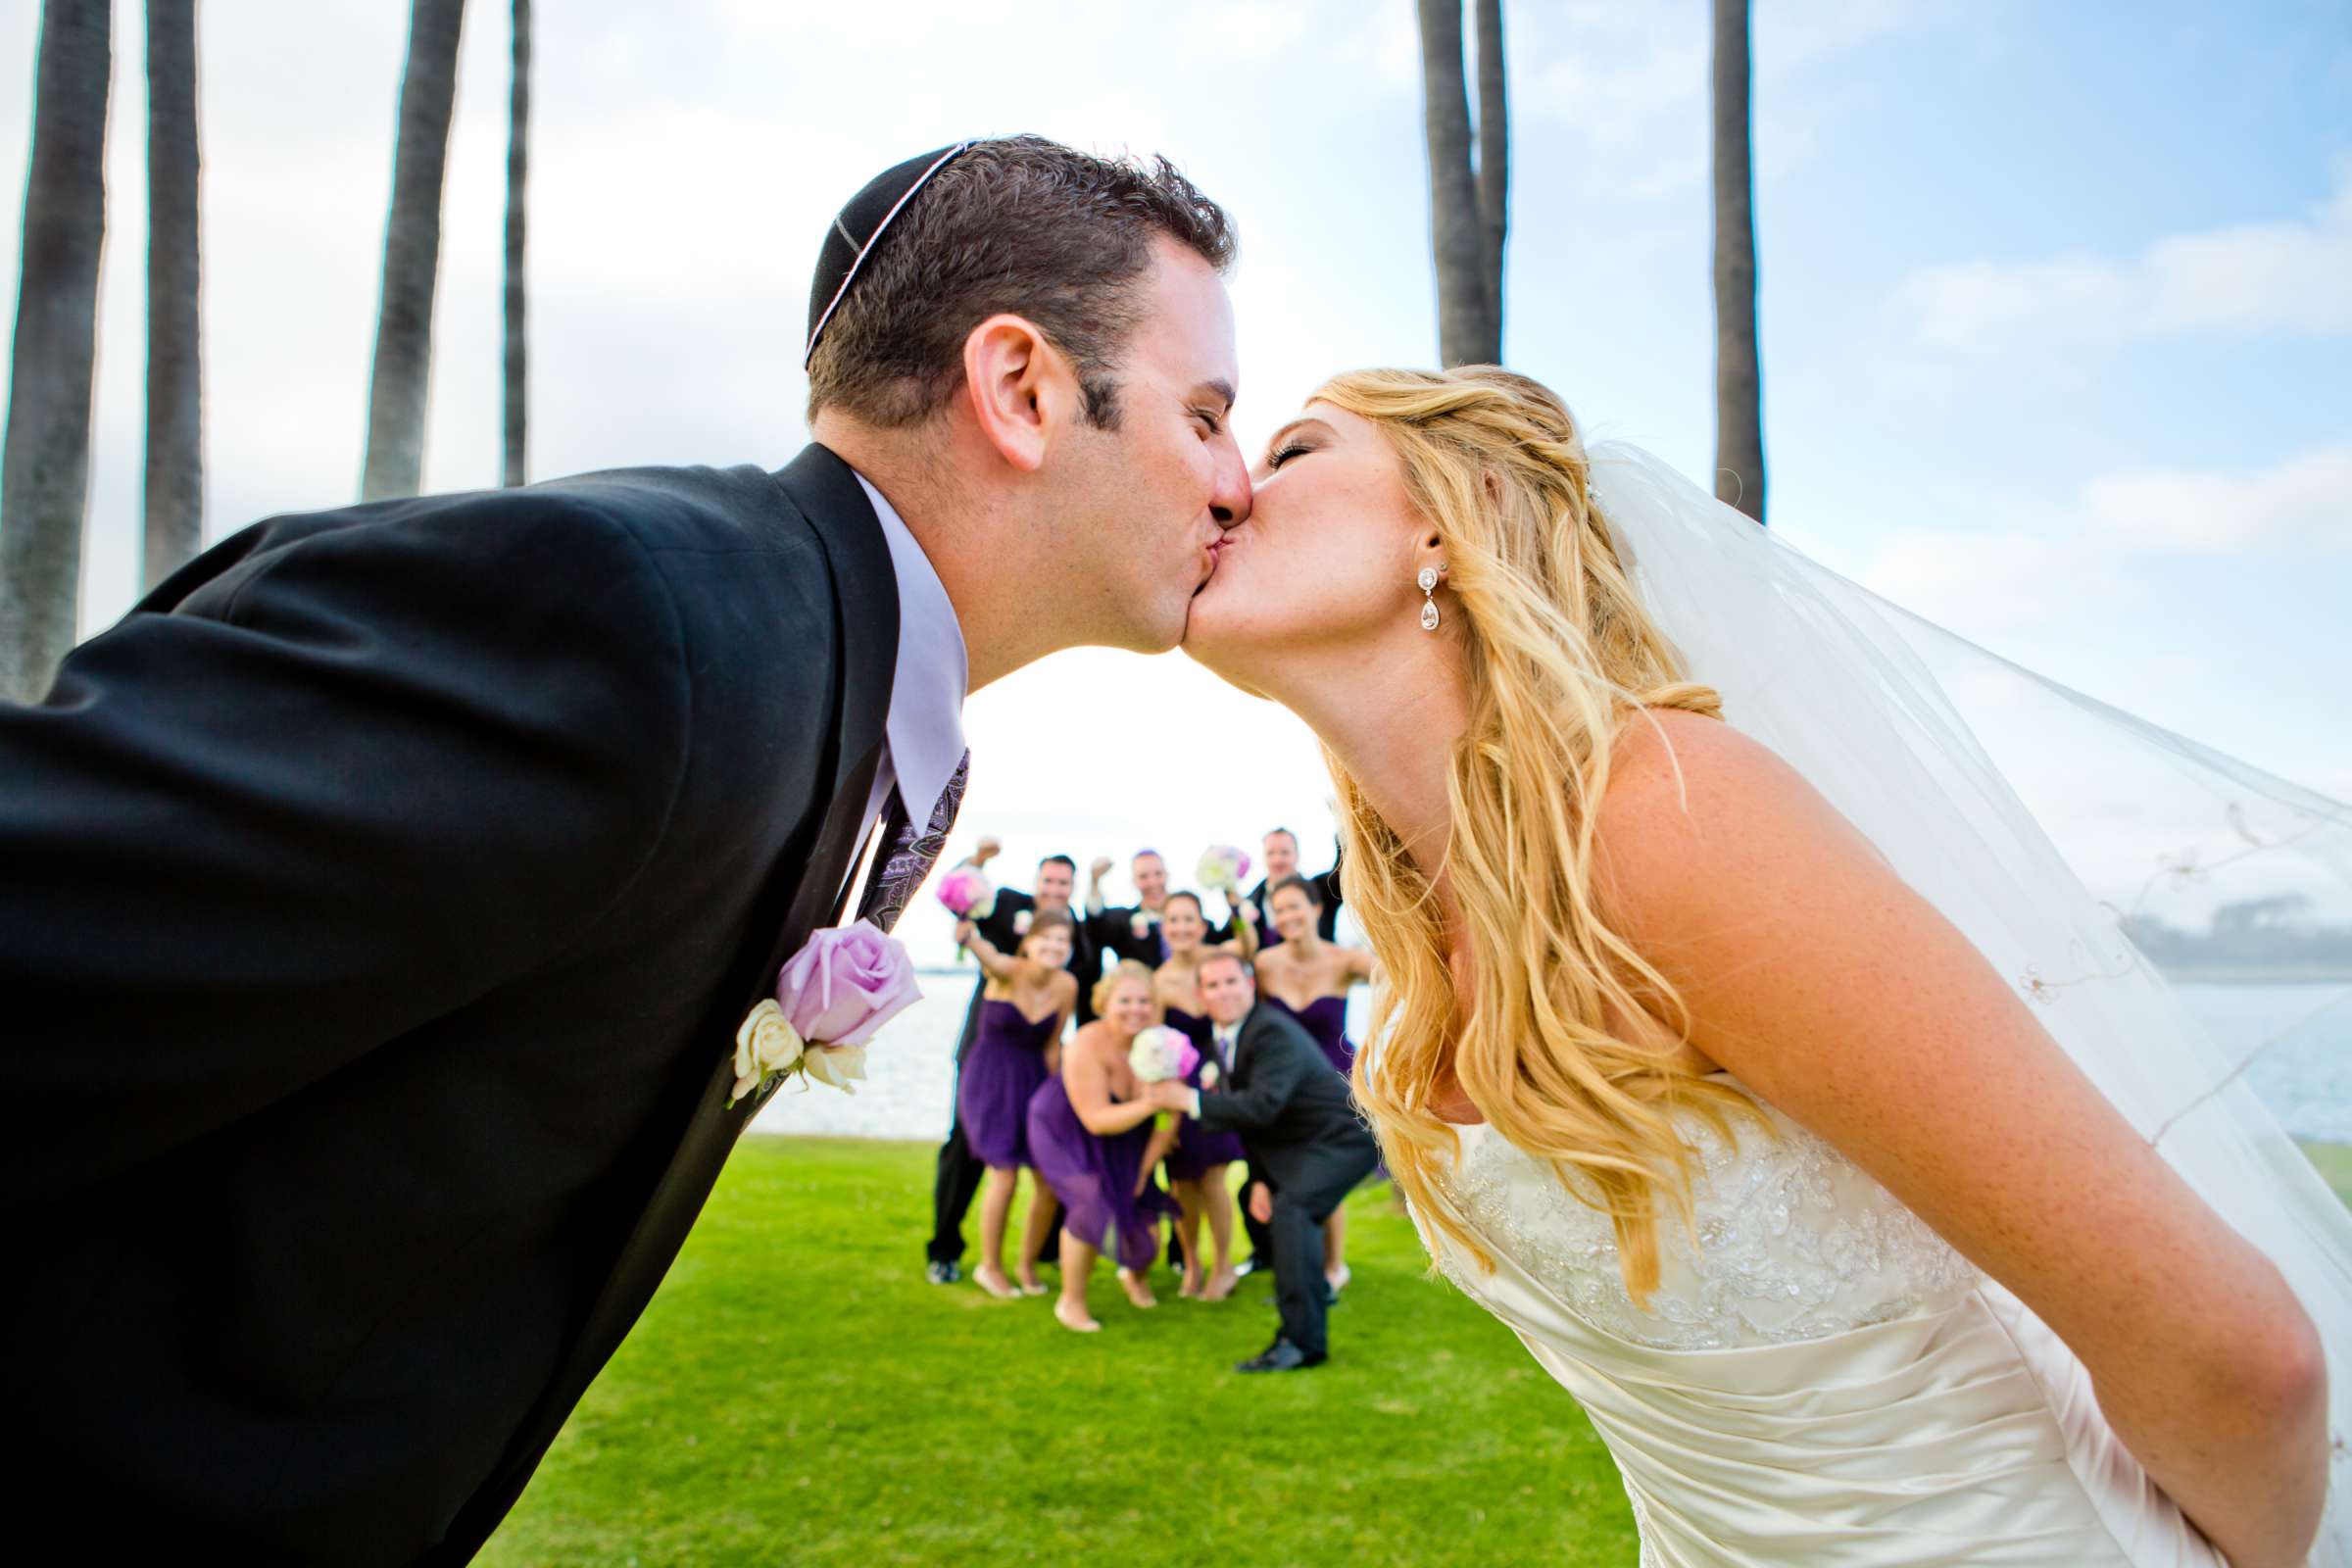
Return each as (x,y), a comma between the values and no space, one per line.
(1818,1378)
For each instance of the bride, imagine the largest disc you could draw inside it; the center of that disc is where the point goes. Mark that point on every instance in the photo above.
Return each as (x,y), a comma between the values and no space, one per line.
(1726,1054)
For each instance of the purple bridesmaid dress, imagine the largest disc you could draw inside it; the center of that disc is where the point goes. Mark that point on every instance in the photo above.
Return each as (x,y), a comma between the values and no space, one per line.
(1001,1072)
(1326,1019)
(1095,1179)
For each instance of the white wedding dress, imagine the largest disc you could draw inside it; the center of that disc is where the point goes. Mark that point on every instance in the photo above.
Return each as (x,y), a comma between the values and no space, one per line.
(1822,1381)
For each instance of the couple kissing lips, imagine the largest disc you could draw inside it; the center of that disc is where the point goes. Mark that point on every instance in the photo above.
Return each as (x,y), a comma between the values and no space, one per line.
(1214,550)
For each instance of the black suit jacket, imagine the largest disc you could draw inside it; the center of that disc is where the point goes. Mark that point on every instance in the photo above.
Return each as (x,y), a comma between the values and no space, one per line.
(383,896)
(1291,1110)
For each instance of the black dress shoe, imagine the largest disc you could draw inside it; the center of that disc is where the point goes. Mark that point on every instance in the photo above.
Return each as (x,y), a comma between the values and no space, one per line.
(1281,1356)
(941,1272)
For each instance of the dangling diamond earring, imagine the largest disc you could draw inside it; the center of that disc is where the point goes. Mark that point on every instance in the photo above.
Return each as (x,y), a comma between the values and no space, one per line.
(1427,582)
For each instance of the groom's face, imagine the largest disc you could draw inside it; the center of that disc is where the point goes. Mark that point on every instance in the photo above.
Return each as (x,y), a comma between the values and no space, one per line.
(1155,494)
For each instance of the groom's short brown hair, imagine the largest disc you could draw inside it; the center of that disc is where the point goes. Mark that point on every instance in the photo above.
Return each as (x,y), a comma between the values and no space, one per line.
(1018,225)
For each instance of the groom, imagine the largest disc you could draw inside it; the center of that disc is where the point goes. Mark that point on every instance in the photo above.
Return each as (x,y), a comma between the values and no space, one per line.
(380,898)
(1277,1090)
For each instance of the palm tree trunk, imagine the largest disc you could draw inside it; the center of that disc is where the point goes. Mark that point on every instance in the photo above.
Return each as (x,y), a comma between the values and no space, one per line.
(174,258)
(518,126)
(1493,162)
(1465,331)
(1738,377)
(45,454)
(403,330)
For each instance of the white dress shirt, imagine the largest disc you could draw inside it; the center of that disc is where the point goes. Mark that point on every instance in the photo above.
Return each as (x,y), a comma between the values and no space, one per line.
(923,734)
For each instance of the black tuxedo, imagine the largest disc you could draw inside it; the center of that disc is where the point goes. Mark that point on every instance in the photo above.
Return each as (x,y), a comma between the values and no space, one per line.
(1302,1134)
(383,896)
(957,1181)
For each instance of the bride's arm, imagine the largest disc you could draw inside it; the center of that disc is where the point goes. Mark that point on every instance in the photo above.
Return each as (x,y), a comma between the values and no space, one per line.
(1820,979)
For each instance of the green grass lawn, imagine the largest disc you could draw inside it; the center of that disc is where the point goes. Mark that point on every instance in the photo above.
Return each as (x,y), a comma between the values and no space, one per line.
(797,1394)
(2334,1163)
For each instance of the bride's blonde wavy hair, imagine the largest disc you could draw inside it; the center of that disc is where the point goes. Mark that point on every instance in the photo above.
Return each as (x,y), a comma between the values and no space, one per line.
(1560,654)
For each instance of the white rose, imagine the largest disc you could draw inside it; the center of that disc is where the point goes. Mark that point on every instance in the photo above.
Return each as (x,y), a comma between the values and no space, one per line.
(766,1043)
(837,1065)
(1020,923)
(1210,1075)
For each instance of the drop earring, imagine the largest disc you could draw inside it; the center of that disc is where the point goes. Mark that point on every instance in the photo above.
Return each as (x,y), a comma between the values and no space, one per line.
(1427,582)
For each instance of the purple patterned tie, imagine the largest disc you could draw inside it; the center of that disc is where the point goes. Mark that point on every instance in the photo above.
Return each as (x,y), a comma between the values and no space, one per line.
(912,854)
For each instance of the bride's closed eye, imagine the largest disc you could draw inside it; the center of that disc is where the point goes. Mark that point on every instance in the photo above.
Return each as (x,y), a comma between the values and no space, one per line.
(1280,455)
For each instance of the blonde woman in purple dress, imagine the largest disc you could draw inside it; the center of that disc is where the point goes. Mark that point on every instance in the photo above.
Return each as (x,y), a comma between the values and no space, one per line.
(1024,1005)
(1093,1138)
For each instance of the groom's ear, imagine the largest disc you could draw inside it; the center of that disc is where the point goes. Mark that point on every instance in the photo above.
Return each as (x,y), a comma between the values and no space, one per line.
(1020,389)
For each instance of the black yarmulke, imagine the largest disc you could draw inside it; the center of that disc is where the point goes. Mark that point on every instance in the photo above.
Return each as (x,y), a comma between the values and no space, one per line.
(858,226)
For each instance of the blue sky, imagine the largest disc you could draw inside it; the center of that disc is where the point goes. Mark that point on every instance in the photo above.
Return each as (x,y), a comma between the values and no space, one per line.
(2054,298)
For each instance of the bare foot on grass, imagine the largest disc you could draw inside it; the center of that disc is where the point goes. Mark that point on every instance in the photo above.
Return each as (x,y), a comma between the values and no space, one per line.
(1220,1285)
(1071,1315)
(990,1278)
(1138,1292)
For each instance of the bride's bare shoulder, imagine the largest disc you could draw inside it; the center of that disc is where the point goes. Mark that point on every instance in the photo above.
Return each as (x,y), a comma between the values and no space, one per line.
(1675,770)
(1688,798)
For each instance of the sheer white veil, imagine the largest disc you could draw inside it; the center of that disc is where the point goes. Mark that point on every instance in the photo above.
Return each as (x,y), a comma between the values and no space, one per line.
(2005,798)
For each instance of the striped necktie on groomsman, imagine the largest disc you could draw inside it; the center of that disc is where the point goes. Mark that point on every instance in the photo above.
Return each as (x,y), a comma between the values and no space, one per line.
(912,854)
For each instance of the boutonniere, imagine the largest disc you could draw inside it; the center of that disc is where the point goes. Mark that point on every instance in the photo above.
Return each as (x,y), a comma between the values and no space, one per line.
(831,997)
(1143,922)
(1020,923)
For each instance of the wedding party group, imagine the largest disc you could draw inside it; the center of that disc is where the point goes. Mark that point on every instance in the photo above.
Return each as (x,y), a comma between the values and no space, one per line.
(407,906)
(1250,1013)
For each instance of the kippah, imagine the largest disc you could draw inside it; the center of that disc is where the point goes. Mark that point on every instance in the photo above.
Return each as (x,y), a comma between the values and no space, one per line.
(859,227)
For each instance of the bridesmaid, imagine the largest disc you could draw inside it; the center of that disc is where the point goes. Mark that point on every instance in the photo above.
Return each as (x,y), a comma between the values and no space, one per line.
(1025,1002)
(1092,1139)
(1309,978)
(1196,1164)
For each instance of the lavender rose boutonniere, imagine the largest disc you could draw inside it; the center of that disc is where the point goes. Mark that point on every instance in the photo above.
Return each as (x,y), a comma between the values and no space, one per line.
(831,997)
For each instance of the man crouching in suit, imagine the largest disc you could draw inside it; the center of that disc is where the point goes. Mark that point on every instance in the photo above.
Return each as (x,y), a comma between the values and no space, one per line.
(1276,1089)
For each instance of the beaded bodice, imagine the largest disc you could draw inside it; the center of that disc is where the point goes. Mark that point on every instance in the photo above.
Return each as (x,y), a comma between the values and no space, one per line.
(1793,1242)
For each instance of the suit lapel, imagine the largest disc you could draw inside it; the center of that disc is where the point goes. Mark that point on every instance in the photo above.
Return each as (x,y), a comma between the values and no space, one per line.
(1244,1042)
(865,604)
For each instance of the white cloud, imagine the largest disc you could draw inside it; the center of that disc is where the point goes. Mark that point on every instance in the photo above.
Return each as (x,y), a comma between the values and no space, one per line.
(2300,506)
(1982,583)
(2035,577)
(2290,274)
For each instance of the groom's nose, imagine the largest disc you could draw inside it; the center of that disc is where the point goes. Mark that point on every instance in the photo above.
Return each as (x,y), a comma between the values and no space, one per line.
(1229,499)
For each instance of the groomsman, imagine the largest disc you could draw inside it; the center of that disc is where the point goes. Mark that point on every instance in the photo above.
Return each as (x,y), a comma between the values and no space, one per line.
(1282,863)
(1129,930)
(1276,1089)
(957,1179)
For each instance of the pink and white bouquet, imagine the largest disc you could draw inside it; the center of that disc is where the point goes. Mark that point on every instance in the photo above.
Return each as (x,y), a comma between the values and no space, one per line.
(831,997)
(967,894)
(1222,866)
(1161,1053)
